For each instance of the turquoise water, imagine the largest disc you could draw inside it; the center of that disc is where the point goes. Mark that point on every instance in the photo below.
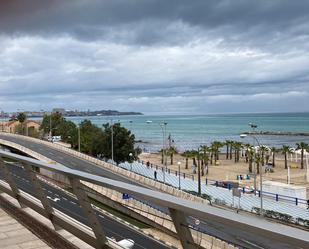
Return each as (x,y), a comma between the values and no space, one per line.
(190,131)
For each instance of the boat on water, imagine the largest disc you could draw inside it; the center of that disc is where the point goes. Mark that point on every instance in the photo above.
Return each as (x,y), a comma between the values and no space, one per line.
(148,121)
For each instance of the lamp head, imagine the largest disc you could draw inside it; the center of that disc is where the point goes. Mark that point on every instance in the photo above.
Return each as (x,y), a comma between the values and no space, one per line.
(179,163)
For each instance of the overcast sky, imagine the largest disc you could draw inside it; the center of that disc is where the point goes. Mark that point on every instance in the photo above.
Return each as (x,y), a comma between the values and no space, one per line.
(155,56)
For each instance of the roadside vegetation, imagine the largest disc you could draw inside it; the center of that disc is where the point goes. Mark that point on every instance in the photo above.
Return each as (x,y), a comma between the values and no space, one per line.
(95,141)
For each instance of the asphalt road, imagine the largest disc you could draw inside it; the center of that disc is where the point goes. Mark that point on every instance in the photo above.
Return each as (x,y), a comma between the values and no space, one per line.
(68,205)
(235,236)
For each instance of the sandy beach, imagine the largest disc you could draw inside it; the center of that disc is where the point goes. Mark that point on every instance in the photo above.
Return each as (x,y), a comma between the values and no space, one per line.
(228,169)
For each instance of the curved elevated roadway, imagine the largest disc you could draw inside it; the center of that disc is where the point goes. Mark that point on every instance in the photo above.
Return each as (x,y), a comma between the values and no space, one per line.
(237,236)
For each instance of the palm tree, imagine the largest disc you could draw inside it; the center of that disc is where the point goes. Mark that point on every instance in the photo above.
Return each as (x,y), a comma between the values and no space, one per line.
(273,150)
(237,147)
(205,158)
(258,161)
(216,145)
(162,156)
(302,146)
(171,151)
(186,154)
(193,154)
(228,144)
(263,149)
(285,150)
(21,117)
(247,147)
(250,155)
(231,149)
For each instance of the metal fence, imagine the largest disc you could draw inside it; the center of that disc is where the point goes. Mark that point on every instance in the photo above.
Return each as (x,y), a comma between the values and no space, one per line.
(214,182)
(250,200)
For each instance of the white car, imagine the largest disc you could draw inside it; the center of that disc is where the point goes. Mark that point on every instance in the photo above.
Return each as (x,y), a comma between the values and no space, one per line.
(126,243)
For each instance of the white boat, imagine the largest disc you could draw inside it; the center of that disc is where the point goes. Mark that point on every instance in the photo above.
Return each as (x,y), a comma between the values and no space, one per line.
(148,121)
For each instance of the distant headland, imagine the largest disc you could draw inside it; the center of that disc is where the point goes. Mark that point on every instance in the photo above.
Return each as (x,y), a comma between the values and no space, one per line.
(69,113)
(99,113)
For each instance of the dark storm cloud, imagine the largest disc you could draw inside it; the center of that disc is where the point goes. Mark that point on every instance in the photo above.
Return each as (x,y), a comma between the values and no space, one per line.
(153,21)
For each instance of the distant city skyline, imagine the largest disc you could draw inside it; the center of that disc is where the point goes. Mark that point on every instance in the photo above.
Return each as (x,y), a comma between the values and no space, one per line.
(156,56)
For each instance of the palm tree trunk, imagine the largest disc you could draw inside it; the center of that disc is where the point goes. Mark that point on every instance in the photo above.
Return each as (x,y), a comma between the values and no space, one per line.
(302,159)
(231,153)
(187,159)
(250,165)
(235,159)
(273,159)
(258,168)
(211,157)
(227,151)
(162,157)
(285,161)
(172,158)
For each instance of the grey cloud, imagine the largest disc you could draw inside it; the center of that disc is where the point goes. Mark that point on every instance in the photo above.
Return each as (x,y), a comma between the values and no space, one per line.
(152,21)
(173,56)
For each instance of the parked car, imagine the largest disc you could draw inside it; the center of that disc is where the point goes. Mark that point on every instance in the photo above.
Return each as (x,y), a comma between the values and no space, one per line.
(226,184)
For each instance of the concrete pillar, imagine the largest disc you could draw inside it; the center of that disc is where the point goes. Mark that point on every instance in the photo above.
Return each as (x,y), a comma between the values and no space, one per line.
(90,213)
(183,232)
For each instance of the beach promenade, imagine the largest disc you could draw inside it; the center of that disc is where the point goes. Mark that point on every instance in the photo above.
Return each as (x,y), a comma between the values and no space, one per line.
(221,195)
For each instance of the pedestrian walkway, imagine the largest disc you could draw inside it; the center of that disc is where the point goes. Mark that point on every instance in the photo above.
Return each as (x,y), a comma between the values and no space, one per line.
(220,195)
(13,235)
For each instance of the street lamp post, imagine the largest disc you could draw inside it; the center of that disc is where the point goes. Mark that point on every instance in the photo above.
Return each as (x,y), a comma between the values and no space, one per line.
(78,128)
(253,126)
(179,186)
(130,155)
(198,171)
(112,140)
(163,127)
(50,125)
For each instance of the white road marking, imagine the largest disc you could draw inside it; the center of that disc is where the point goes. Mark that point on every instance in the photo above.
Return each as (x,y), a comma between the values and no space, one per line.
(252,244)
(64,198)
(73,202)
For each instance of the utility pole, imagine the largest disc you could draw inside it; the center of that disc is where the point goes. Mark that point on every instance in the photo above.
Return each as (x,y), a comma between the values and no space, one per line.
(165,157)
(112,140)
(198,172)
(78,137)
(50,125)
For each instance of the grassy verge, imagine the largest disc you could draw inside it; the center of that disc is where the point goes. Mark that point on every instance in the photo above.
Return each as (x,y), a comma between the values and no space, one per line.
(121,215)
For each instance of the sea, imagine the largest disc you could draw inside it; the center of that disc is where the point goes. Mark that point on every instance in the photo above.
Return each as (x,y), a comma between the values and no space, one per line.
(187,132)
